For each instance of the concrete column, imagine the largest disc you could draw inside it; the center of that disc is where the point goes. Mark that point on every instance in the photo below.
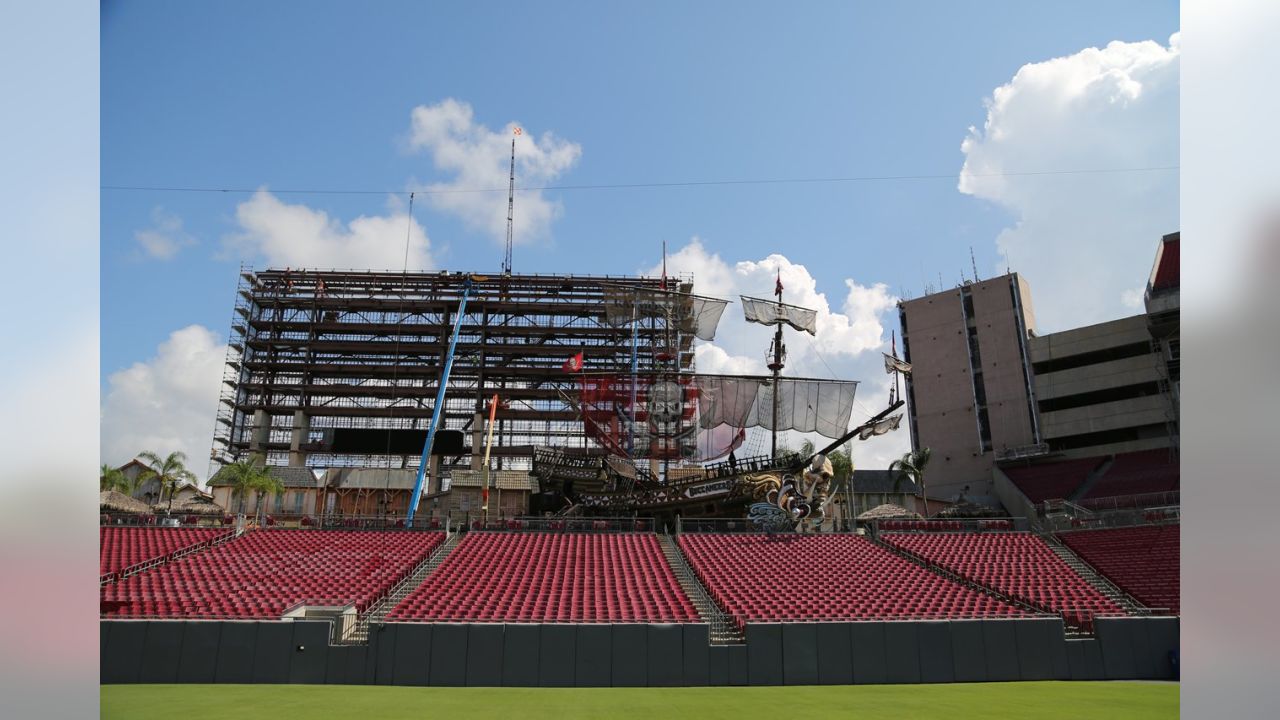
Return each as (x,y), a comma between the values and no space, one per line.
(260,431)
(301,430)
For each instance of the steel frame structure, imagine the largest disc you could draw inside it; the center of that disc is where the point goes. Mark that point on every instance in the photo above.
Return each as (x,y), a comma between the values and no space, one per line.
(312,351)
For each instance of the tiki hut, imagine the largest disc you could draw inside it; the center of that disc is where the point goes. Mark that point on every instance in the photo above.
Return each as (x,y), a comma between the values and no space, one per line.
(117,502)
(889,512)
(196,505)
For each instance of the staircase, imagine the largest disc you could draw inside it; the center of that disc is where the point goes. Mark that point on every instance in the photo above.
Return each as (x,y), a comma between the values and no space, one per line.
(379,611)
(1093,577)
(724,631)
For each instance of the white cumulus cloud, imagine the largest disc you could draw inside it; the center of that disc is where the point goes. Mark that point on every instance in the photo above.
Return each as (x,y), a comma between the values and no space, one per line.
(167,402)
(1082,240)
(165,238)
(286,235)
(850,335)
(480,159)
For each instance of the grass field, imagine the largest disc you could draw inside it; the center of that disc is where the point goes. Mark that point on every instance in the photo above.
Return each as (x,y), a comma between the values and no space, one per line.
(1039,700)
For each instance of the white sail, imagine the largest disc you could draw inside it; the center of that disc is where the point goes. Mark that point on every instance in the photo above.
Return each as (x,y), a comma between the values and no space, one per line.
(821,406)
(893,364)
(880,427)
(693,314)
(769,312)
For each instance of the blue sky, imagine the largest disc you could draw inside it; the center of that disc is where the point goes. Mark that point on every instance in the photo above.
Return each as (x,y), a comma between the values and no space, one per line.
(319,95)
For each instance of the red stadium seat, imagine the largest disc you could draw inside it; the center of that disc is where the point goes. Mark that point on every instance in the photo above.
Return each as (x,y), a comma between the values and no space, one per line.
(265,572)
(1142,561)
(547,578)
(1020,565)
(789,578)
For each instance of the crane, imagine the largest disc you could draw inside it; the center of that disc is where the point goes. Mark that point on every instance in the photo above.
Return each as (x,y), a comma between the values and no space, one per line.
(443,387)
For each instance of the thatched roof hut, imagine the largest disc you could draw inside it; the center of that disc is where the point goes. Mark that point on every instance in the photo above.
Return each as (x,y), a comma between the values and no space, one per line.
(114,501)
(887,512)
(197,505)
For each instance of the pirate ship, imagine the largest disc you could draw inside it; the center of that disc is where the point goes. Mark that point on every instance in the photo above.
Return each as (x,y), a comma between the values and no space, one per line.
(680,442)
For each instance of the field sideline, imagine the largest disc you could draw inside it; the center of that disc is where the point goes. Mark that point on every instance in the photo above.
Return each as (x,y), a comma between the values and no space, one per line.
(1041,700)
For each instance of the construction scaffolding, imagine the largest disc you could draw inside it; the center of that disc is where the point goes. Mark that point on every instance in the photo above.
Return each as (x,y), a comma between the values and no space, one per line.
(339,368)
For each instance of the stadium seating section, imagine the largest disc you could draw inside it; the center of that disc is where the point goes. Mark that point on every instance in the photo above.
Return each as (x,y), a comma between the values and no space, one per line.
(1142,561)
(1051,481)
(1136,473)
(1017,564)
(572,577)
(123,547)
(265,572)
(776,578)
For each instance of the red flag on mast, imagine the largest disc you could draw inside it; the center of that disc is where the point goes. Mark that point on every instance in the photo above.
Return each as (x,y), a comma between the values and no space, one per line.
(778,290)
(573,364)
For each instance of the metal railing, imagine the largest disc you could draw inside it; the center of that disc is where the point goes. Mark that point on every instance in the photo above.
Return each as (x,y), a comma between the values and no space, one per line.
(724,629)
(559,524)
(967,525)
(1129,502)
(745,525)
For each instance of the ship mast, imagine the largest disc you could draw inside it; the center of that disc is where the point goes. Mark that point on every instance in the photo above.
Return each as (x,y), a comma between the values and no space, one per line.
(775,365)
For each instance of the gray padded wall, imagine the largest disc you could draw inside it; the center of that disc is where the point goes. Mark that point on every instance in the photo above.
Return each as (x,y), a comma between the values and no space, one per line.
(1035,639)
(968,651)
(867,641)
(271,652)
(934,644)
(1163,638)
(162,652)
(558,648)
(484,655)
(633,655)
(410,652)
(235,652)
(738,674)
(718,665)
(1084,657)
(630,655)
(198,661)
(666,656)
(123,659)
(448,655)
(593,657)
(800,654)
(902,652)
(764,654)
(1000,643)
(308,666)
(835,654)
(380,662)
(696,655)
(520,655)
(1115,637)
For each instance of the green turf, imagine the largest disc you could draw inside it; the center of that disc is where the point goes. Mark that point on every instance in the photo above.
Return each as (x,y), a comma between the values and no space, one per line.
(1039,700)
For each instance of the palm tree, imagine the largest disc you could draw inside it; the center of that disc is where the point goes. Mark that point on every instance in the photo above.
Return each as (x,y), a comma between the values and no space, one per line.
(112,479)
(244,476)
(266,484)
(911,467)
(169,472)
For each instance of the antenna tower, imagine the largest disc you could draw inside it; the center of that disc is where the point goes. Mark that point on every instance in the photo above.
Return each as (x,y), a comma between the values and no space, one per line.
(511,206)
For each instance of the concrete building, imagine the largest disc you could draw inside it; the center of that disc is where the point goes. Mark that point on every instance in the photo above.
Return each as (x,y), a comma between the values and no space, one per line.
(298,498)
(970,393)
(987,390)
